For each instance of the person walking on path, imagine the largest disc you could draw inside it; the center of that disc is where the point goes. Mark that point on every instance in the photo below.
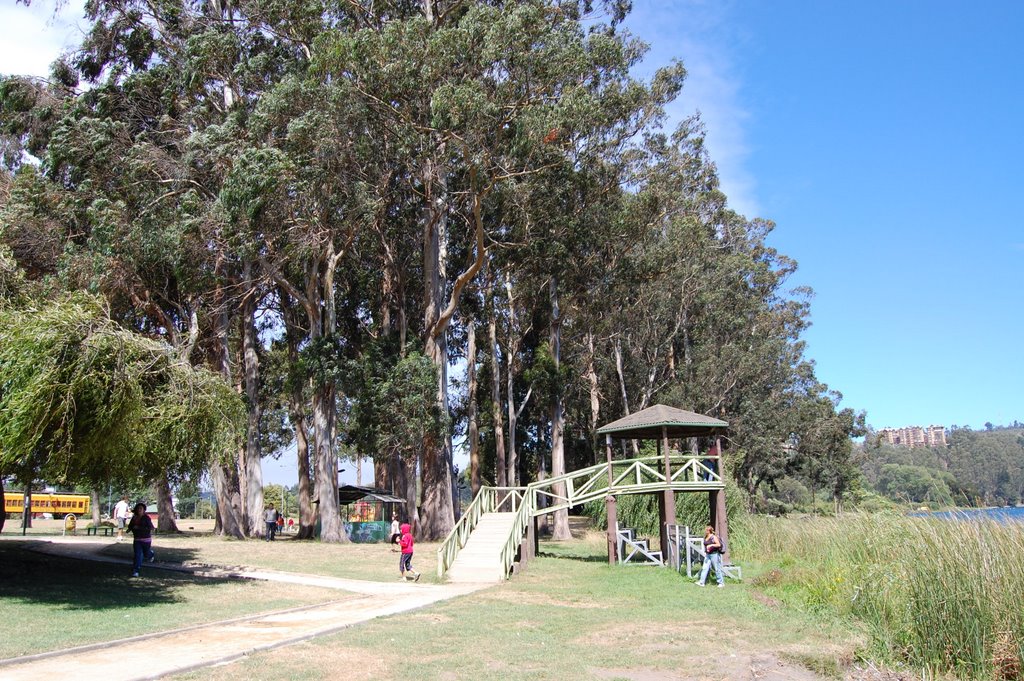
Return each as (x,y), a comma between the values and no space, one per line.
(141,527)
(405,563)
(270,518)
(713,549)
(396,532)
(121,516)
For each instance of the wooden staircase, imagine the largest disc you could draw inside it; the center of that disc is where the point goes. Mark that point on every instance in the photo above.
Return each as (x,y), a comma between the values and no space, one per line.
(480,559)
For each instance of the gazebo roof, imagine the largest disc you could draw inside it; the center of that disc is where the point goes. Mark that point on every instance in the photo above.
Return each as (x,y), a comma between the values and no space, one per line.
(647,424)
(350,493)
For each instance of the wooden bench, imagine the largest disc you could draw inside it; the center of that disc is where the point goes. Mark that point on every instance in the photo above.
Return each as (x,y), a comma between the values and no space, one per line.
(106,529)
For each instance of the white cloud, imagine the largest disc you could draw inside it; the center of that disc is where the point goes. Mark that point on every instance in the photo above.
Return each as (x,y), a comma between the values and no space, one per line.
(703,34)
(32,37)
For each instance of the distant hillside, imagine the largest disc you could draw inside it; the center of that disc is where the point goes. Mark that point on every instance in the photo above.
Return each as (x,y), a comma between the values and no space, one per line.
(978,468)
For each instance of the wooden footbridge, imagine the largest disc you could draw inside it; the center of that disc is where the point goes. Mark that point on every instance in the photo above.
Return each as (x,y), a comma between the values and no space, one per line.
(499,531)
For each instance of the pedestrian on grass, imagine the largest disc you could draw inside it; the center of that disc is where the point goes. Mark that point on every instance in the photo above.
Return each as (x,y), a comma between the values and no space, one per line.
(141,527)
(270,518)
(713,549)
(122,512)
(405,563)
(396,532)
(280,524)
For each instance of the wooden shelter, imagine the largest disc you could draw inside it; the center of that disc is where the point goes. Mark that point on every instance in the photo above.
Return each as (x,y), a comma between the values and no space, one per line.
(663,423)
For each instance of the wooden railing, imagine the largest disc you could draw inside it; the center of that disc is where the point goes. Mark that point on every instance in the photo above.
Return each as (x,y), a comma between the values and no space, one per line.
(489,499)
(628,476)
(524,516)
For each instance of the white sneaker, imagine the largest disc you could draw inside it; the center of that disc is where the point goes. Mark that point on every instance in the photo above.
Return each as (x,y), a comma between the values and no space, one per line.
(699,583)
(721,586)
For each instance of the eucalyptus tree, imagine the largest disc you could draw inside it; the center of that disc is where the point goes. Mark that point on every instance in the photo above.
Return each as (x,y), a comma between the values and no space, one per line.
(140,155)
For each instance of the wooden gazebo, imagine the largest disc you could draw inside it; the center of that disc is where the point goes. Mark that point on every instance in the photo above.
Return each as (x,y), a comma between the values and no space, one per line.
(663,423)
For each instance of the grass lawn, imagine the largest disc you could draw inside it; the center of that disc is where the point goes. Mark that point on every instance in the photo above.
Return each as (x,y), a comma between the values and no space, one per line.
(51,603)
(373,562)
(570,616)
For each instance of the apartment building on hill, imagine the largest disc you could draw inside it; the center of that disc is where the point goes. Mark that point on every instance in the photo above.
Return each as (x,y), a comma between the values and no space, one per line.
(915,436)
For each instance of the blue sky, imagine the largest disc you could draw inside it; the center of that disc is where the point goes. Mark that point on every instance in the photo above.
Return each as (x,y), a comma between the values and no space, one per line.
(885,139)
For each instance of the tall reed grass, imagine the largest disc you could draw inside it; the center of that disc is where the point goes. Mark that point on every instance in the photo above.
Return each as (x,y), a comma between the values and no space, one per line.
(946,596)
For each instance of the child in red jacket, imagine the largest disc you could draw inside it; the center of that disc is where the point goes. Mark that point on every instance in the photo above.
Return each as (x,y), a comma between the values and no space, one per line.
(405,564)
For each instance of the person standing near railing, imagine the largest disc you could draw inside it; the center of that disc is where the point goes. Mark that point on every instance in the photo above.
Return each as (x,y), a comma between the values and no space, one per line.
(713,549)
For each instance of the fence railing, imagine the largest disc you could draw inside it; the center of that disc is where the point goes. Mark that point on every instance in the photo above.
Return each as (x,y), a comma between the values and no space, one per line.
(487,500)
(524,516)
(628,476)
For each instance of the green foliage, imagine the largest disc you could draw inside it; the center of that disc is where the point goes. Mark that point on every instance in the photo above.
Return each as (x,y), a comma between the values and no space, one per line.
(395,404)
(640,511)
(915,484)
(978,468)
(87,402)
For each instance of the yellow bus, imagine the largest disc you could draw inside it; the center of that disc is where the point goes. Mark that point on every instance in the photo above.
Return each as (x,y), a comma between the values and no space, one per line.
(43,502)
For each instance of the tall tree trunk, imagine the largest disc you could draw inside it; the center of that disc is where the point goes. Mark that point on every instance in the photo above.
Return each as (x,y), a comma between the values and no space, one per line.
(252,456)
(510,458)
(474,425)
(229,500)
(297,415)
(438,513)
(324,410)
(561,528)
(408,478)
(501,473)
(622,387)
(595,397)
(165,506)
(94,503)
(224,471)
(307,516)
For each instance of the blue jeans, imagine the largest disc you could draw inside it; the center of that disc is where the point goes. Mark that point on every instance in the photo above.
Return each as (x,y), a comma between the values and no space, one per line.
(143,551)
(271,529)
(712,560)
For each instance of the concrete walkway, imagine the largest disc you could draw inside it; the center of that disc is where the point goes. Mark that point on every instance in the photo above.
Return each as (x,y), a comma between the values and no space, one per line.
(161,654)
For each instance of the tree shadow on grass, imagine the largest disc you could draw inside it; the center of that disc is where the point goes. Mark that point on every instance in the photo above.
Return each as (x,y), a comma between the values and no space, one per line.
(32,577)
(578,556)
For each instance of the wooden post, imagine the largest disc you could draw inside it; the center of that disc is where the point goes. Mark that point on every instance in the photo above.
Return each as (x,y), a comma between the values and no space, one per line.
(663,527)
(721,517)
(528,550)
(609,501)
(712,509)
(689,561)
(668,504)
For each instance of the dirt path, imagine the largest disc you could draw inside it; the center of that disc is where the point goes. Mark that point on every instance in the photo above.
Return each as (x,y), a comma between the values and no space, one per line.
(156,655)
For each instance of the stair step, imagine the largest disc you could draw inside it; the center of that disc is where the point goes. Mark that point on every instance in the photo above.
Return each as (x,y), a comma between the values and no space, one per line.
(480,559)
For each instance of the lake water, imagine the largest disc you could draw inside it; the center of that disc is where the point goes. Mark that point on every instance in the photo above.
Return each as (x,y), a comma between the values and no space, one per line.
(1006,513)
